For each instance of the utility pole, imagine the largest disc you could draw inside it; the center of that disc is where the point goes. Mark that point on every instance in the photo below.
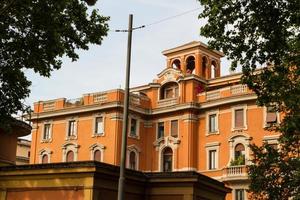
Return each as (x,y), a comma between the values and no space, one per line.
(125,115)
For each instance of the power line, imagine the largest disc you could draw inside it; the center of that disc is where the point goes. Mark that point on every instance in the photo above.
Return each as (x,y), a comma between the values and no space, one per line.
(158,21)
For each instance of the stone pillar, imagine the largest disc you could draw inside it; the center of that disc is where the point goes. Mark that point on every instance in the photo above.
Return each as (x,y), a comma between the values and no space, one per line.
(198,64)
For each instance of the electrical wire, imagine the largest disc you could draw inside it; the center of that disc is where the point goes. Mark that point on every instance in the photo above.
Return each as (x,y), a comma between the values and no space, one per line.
(157,22)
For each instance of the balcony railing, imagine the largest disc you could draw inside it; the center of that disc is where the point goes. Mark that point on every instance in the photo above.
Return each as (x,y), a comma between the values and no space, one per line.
(238,89)
(168,102)
(212,95)
(47,106)
(234,171)
(99,97)
(135,99)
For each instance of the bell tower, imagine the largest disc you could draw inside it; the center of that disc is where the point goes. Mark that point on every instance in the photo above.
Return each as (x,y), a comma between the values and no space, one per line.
(195,58)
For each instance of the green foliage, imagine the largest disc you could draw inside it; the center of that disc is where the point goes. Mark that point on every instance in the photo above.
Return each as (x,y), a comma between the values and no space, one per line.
(238,161)
(265,33)
(35,34)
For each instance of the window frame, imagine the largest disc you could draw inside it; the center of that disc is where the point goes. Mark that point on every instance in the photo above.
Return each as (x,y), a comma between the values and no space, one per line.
(157,130)
(49,139)
(213,146)
(96,147)
(245,120)
(75,135)
(177,128)
(95,134)
(265,114)
(45,152)
(133,148)
(208,114)
(137,128)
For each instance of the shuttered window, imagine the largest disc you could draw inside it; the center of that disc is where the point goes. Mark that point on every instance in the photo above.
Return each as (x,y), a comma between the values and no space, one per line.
(133,127)
(47,129)
(70,156)
(271,116)
(45,159)
(239,118)
(97,155)
(99,126)
(174,128)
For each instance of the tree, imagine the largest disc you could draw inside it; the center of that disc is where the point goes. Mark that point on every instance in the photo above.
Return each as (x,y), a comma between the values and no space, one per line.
(265,33)
(35,34)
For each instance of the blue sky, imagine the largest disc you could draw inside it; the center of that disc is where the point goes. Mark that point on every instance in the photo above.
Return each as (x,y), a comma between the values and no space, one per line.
(103,67)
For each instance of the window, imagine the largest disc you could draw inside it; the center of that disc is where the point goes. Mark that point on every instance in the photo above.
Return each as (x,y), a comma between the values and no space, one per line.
(239,155)
(45,159)
(212,155)
(174,128)
(160,130)
(239,118)
(271,116)
(45,156)
(132,160)
(212,126)
(97,155)
(97,152)
(212,159)
(72,128)
(167,159)
(169,90)
(239,194)
(133,127)
(70,156)
(47,132)
(99,128)
(190,65)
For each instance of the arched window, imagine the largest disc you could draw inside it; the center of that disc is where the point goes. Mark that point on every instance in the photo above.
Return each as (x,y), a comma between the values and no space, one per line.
(45,159)
(70,156)
(213,71)
(169,90)
(204,66)
(167,159)
(97,155)
(239,154)
(132,160)
(176,64)
(190,65)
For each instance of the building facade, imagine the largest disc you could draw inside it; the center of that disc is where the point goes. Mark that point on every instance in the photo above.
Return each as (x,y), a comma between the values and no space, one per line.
(23,152)
(190,118)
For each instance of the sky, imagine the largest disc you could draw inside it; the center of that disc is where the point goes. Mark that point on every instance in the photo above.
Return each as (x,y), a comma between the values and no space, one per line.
(103,67)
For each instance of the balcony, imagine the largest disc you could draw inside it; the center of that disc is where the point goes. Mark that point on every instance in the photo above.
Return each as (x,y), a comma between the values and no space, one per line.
(74,102)
(167,102)
(238,89)
(213,95)
(100,97)
(232,173)
(49,105)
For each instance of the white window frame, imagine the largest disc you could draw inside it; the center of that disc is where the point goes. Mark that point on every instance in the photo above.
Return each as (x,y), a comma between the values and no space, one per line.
(234,193)
(136,150)
(244,140)
(161,158)
(43,152)
(45,140)
(95,147)
(170,127)
(94,126)
(69,147)
(245,111)
(265,117)
(208,114)
(209,147)
(72,137)
(157,130)
(137,136)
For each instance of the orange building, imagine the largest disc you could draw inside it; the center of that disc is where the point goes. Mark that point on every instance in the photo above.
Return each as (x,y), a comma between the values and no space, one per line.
(190,118)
